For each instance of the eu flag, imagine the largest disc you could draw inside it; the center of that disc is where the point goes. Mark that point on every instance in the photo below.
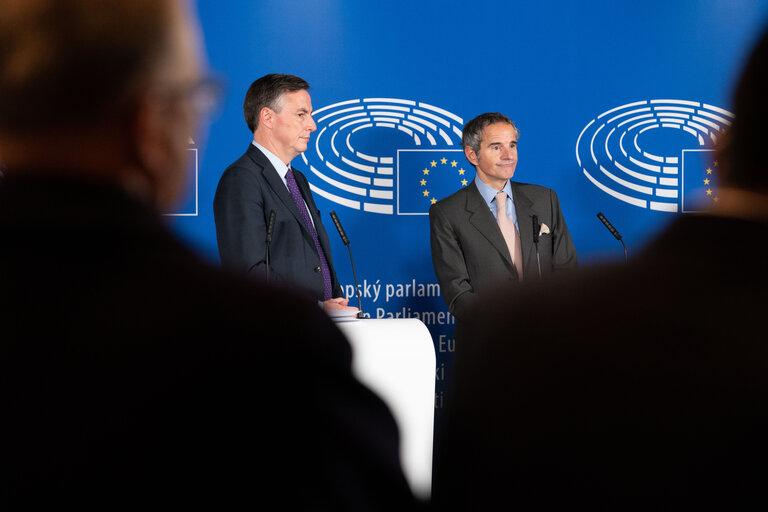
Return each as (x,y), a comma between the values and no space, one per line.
(425,176)
(700,177)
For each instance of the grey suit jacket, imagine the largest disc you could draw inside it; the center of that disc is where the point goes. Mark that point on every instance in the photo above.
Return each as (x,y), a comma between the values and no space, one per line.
(469,253)
(248,191)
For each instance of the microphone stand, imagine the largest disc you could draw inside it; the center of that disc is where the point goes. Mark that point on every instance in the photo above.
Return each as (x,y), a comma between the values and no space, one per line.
(536,228)
(354,275)
(344,239)
(270,227)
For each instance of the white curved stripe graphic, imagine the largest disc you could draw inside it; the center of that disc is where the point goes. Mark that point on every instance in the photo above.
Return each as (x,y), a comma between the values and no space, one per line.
(624,169)
(353,155)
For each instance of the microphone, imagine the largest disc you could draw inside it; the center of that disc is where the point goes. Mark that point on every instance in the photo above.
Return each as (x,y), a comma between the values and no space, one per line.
(340,229)
(613,232)
(270,227)
(536,228)
(344,239)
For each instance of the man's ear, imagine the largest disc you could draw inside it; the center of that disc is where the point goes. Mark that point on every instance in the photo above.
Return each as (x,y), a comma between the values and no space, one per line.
(471,155)
(154,169)
(146,134)
(266,117)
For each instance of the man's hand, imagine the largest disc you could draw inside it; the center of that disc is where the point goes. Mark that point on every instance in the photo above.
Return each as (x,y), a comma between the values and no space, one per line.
(337,303)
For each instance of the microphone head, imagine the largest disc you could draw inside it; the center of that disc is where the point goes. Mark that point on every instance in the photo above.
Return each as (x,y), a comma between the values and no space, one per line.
(270,225)
(336,222)
(608,225)
(536,228)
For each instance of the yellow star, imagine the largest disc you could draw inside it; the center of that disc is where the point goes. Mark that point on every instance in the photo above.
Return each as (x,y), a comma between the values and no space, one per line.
(709,171)
(706,181)
(715,163)
(423,182)
(461,171)
(454,163)
(715,199)
(433,200)
(433,163)
(426,193)
(709,191)
(444,160)
(425,171)
(464,182)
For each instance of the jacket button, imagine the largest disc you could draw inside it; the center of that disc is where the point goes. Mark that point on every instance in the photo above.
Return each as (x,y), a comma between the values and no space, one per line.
(317,269)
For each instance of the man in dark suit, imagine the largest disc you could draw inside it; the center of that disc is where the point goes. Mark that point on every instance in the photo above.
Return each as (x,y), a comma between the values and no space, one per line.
(278,110)
(639,386)
(133,374)
(475,244)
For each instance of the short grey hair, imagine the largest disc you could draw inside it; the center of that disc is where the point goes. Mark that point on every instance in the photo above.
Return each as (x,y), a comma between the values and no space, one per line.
(472,135)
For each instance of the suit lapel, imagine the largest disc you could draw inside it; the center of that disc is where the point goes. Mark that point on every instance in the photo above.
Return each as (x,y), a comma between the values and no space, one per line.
(481,218)
(524,210)
(278,187)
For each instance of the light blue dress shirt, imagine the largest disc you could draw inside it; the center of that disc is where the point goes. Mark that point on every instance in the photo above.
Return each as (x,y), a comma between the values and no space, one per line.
(489,196)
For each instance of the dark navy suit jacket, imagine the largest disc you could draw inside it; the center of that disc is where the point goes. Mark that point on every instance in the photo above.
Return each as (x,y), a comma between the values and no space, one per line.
(248,191)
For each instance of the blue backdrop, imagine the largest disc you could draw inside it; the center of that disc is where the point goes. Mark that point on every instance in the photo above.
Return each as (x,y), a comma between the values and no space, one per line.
(613,100)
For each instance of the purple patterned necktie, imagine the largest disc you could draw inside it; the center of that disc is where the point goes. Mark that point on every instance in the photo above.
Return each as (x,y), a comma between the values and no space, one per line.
(293,188)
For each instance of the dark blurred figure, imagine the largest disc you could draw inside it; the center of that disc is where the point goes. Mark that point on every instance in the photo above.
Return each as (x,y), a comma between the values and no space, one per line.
(640,387)
(133,374)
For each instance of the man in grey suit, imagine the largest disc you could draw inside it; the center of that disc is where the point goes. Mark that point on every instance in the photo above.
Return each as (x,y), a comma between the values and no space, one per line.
(278,111)
(473,248)
(638,386)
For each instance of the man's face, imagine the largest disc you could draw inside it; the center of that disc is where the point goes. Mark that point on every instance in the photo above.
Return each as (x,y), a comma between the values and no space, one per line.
(174,119)
(496,160)
(292,125)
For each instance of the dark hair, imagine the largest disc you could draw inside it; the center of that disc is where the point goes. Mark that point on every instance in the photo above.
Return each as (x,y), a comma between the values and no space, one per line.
(74,62)
(268,91)
(472,134)
(742,146)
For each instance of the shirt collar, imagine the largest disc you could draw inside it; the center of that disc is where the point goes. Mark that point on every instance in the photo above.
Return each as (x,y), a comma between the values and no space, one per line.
(489,193)
(278,164)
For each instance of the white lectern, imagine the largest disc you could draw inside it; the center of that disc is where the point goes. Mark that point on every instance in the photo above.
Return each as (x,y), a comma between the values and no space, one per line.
(396,359)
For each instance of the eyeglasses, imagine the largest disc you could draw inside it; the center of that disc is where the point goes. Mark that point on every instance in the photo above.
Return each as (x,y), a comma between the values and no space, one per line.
(204,95)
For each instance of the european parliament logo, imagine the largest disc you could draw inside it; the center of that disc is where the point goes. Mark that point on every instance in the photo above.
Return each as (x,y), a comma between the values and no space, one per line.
(654,154)
(385,155)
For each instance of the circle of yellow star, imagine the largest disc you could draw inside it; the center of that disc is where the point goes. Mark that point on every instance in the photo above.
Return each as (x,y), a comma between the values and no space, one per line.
(423,182)
(425,171)
(443,160)
(433,163)
(426,193)
(462,171)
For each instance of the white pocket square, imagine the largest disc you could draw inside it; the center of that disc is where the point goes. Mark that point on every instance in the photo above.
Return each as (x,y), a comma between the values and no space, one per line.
(544,229)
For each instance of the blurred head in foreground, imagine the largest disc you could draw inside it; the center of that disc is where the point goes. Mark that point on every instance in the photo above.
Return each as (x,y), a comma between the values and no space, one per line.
(102,89)
(741,149)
